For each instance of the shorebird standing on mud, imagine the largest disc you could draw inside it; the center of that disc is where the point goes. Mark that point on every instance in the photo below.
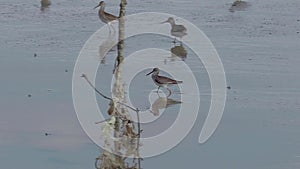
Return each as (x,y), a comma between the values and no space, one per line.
(162,81)
(176,30)
(104,16)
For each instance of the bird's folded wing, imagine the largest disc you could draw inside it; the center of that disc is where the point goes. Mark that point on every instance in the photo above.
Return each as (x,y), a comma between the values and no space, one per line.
(165,80)
(179,28)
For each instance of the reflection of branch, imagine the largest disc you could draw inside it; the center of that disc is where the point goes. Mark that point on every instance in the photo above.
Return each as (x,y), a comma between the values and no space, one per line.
(138,140)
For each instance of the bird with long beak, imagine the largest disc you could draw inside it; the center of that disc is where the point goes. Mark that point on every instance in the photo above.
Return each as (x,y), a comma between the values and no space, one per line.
(162,81)
(104,16)
(176,30)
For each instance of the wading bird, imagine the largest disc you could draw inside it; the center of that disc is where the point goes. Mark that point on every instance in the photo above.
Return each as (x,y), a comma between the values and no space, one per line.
(104,16)
(162,81)
(176,30)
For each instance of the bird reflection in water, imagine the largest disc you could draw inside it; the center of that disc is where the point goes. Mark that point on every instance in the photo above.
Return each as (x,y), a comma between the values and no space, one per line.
(109,44)
(45,4)
(178,51)
(162,103)
(238,5)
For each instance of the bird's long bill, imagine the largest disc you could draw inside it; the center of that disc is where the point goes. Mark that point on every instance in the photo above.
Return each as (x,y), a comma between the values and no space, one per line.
(164,22)
(97,6)
(150,73)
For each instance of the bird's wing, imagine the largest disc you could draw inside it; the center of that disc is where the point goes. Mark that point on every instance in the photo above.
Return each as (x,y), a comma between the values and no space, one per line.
(179,28)
(110,16)
(165,80)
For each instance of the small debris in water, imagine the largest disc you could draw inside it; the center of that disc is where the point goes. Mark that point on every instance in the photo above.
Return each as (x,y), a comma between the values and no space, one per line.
(250,59)
(47,134)
(298,32)
(66,70)
(29,95)
(228,87)
(35,55)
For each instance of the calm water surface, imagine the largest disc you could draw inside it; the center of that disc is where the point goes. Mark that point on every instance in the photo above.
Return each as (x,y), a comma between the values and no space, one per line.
(259,47)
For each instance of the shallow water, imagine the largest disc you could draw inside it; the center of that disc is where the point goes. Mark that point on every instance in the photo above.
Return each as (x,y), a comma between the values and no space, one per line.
(259,47)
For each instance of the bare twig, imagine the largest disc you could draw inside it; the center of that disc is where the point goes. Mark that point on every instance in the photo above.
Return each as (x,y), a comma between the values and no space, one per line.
(104,96)
(134,109)
(98,122)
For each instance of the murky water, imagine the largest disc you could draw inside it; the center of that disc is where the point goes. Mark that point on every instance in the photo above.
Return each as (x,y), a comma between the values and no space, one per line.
(259,45)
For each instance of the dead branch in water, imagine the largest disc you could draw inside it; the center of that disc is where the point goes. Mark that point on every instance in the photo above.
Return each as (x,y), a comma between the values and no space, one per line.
(121,103)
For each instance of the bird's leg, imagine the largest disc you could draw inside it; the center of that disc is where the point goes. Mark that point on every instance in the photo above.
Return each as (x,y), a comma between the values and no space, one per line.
(158,89)
(158,94)
(108,25)
(180,41)
(174,41)
(113,29)
(170,92)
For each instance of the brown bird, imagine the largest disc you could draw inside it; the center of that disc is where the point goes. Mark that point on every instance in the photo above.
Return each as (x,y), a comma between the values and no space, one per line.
(104,16)
(238,5)
(45,3)
(176,30)
(162,81)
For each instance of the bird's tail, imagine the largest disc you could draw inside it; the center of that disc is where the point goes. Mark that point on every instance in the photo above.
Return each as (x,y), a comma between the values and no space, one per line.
(178,82)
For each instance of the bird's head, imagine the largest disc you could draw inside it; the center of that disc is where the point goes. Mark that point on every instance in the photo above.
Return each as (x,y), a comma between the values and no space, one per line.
(155,71)
(169,20)
(102,3)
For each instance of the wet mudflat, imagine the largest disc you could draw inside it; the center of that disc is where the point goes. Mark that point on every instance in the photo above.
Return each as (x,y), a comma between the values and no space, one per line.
(258,43)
